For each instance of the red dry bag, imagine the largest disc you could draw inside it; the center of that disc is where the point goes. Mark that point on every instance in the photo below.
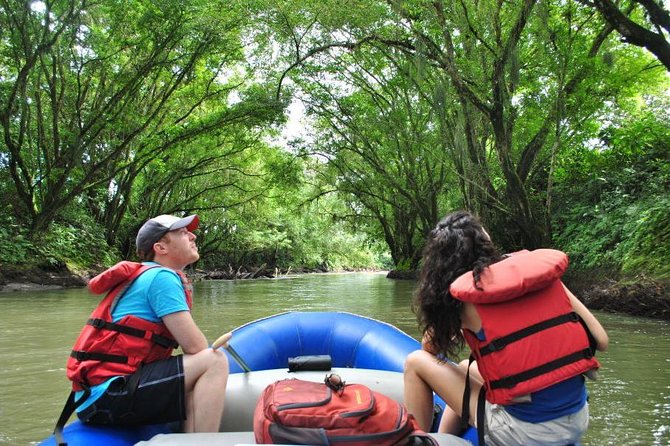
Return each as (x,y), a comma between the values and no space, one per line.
(294,411)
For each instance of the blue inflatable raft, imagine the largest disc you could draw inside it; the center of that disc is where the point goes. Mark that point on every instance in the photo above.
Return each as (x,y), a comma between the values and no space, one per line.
(360,350)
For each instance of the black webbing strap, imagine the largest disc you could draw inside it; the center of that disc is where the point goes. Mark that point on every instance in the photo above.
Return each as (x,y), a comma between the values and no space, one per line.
(500,343)
(481,416)
(93,356)
(592,340)
(66,413)
(481,406)
(130,331)
(465,405)
(510,381)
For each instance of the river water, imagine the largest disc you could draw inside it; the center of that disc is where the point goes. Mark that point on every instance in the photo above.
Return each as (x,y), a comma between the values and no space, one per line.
(630,404)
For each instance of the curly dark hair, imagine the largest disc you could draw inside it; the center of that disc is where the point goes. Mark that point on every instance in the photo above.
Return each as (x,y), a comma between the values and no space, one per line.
(458,244)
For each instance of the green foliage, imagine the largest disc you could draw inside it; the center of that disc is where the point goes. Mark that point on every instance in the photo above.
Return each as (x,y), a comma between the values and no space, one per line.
(77,243)
(78,248)
(15,247)
(618,218)
(646,248)
(625,238)
(114,112)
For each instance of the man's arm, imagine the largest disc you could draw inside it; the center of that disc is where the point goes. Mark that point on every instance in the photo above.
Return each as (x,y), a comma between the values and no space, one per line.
(186,332)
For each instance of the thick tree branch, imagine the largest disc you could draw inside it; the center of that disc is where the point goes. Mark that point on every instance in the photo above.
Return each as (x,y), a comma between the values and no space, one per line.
(636,34)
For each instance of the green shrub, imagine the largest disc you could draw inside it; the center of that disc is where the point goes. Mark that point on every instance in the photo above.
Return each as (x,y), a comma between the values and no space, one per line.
(618,217)
(78,245)
(15,248)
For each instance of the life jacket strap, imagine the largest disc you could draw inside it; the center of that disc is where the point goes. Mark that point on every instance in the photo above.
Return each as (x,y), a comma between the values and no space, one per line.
(510,381)
(502,342)
(94,356)
(162,341)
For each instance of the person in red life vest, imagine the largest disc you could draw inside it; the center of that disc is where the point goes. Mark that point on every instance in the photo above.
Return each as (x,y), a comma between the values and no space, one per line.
(532,341)
(121,367)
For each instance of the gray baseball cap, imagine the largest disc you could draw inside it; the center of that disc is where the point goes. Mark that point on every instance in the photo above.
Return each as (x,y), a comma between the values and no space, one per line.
(157,227)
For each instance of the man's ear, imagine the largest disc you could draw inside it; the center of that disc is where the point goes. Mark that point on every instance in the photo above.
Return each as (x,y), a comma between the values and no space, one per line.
(160,247)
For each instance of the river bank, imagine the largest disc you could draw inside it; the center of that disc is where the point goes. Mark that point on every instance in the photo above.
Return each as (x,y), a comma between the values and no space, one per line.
(638,296)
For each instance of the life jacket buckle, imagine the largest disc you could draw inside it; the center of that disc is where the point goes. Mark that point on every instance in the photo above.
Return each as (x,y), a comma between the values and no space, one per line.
(79,355)
(97,323)
(163,341)
(506,383)
(495,346)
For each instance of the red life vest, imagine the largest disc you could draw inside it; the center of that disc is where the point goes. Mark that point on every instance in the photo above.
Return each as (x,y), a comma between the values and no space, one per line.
(534,339)
(105,348)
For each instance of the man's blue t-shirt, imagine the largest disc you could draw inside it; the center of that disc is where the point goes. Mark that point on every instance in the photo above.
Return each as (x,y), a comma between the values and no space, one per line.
(154,294)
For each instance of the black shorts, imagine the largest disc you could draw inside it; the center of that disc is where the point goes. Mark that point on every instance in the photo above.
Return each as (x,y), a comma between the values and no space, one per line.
(154,394)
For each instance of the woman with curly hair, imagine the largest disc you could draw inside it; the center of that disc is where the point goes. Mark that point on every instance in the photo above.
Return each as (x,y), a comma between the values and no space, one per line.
(532,340)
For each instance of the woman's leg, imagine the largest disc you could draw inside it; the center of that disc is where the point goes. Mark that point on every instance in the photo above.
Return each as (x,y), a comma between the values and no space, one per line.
(451,421)
(425,374)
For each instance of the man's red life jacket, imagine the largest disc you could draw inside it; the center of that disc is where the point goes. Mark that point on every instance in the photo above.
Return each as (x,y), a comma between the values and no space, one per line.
(534,339)
(105,348)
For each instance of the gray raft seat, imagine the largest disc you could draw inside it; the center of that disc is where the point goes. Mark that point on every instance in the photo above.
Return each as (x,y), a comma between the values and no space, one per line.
(247,438)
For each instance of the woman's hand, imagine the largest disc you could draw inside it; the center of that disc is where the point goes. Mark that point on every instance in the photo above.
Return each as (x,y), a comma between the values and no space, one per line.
(427,343)
(596,329)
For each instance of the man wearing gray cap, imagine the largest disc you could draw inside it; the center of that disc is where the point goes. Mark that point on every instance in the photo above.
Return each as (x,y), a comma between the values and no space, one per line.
(122,367)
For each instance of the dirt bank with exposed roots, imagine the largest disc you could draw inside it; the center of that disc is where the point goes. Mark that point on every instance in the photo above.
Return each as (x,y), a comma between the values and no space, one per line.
(640,296)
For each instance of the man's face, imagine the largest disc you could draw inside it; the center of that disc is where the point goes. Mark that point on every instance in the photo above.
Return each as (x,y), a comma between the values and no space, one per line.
(181,246)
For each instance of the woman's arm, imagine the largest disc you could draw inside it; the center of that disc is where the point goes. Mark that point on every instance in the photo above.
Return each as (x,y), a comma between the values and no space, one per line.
(596,329)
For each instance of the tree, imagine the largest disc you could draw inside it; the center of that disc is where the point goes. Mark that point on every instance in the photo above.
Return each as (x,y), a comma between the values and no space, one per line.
(382,147)
(648,30)
(94,92)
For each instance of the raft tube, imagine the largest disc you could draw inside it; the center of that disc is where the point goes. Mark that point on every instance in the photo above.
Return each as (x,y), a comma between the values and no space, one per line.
(370,347)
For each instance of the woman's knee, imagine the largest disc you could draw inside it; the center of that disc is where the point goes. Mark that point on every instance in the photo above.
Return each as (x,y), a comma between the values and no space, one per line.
(415,359)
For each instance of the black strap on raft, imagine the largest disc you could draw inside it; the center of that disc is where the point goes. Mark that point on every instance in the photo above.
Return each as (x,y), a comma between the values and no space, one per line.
(66,413)
(481,416)
(481,406)
(465,405)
